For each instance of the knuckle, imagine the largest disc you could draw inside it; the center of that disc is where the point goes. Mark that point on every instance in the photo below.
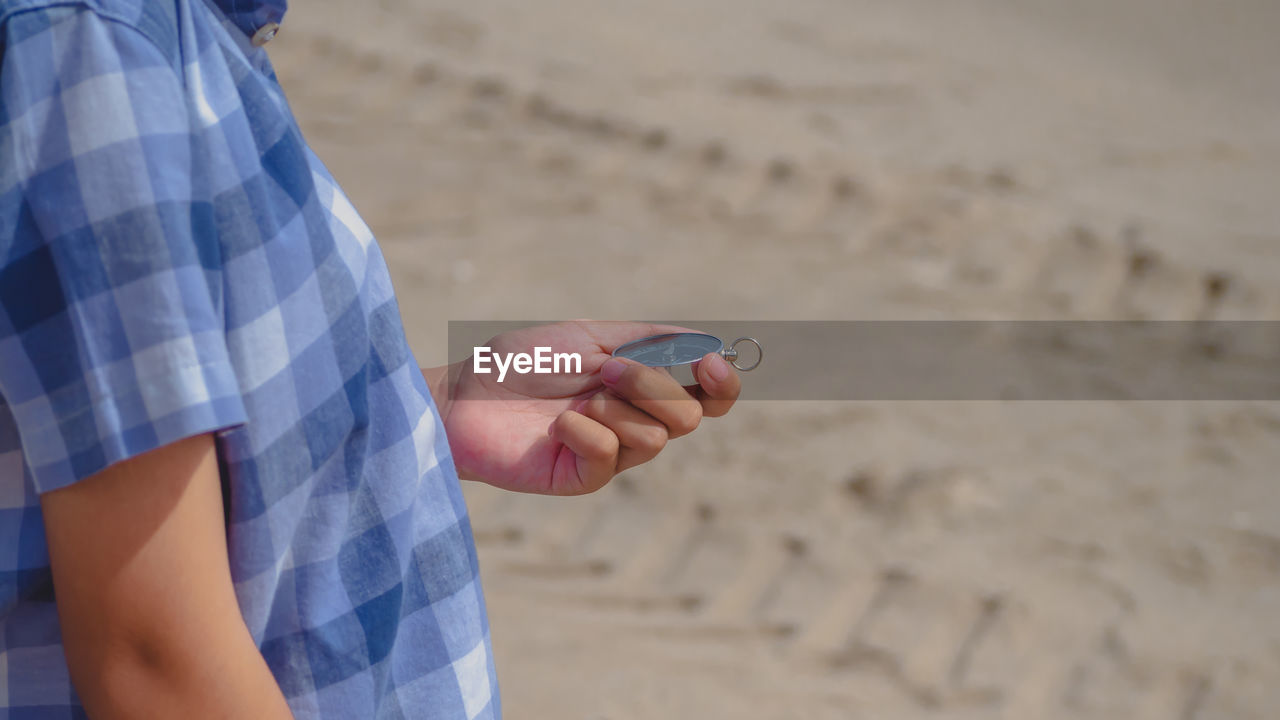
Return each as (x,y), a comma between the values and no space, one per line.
(652,439)
(688,417)
(604,448)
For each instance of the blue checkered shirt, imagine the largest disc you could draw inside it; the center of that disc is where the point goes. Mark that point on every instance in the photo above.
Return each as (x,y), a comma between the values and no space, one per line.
(174,260)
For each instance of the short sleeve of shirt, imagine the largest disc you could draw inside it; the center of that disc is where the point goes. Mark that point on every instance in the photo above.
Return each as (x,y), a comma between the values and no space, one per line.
(112,337)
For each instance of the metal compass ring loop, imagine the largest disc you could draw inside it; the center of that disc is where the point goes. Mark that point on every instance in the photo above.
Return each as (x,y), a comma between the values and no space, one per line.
(731,353)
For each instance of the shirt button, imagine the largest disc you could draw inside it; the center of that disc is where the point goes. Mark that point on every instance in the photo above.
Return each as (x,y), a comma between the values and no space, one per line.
(265,33)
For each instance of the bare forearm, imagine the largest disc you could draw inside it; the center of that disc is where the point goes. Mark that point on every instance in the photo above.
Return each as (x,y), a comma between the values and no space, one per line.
(137,682)
(150,622)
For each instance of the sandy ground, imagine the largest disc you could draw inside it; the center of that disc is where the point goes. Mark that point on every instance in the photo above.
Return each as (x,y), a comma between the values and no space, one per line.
(846,159)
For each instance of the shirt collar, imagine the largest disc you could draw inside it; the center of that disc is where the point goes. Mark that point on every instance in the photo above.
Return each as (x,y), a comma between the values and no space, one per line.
(249,15)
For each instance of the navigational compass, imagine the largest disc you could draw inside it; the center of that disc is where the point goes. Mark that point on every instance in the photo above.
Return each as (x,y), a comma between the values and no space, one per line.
(677,349)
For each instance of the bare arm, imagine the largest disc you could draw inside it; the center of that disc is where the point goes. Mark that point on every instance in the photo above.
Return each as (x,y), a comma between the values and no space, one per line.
(149,618)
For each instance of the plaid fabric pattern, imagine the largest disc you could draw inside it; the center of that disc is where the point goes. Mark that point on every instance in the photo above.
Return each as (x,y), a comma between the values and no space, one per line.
(174,260)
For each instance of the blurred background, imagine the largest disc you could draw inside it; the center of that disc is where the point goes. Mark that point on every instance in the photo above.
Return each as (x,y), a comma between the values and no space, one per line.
(847,160)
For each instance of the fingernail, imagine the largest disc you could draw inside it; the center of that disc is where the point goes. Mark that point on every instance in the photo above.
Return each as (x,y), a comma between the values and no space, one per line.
(719,369)
(612,370)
